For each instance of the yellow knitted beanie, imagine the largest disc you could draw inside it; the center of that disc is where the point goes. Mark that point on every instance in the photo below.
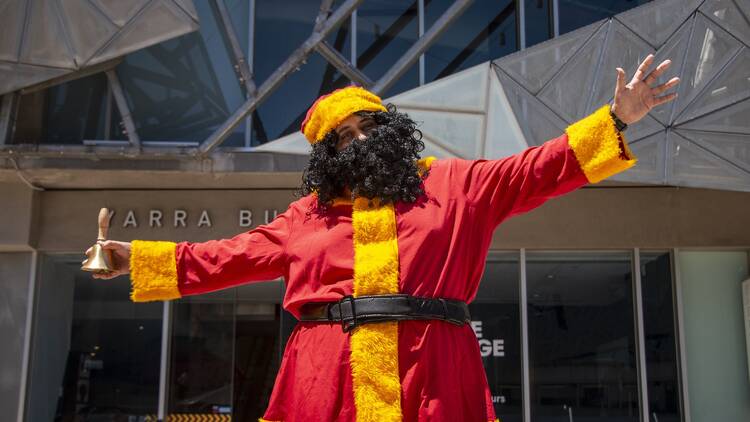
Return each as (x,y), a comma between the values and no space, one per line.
(330,110)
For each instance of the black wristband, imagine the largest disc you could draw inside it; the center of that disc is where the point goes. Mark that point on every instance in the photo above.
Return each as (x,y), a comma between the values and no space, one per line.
(619,124)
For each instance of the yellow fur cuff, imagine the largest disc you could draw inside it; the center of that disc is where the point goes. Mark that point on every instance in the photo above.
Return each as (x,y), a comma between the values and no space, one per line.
(330,110)
(153,271)
(596,144)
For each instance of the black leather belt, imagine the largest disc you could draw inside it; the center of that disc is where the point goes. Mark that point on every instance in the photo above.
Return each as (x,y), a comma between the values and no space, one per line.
(352,311)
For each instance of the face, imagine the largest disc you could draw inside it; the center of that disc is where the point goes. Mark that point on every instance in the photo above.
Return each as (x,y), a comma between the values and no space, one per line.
(353,127)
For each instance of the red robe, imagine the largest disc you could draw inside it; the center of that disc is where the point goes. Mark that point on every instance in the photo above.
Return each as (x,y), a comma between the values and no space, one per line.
(442,242)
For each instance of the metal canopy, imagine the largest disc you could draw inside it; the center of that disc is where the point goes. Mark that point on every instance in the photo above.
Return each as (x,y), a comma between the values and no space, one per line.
(45,39)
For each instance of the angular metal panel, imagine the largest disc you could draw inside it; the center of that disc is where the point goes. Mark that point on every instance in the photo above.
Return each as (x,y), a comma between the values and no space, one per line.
(656,21)
(45,39)
(12,14)
(537,121)
(90,31)
(118,11)
(62,36)
(674,49)
(650,168)
(459,133)
(645,127)
(161,20)
(731,147)
(503,135)
(532,68)
(464,90)
(732,119)
(730,86)
(709,51)
(568,91)
(727,15)
(694,166)
(624,49)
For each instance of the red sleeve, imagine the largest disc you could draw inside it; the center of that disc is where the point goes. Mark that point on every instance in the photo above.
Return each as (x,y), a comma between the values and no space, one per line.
(162,270)
(521,182)
(256,255)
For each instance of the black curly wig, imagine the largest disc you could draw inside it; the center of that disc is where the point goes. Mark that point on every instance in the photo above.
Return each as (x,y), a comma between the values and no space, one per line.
(383,166)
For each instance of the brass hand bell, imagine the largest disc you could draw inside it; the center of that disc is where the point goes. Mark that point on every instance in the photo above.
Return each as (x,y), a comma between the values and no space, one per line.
(99,260)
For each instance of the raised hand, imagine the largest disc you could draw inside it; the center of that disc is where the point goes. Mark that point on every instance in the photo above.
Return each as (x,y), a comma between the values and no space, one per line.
(636,98)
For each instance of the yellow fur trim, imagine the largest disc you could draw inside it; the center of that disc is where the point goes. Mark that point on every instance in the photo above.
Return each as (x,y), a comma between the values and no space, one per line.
(153,271)
(596,144)
(374,347)
(264,420)
(329,111)
(425,163)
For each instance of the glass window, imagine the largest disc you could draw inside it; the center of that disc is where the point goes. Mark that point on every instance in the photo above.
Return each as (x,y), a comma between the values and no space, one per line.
(14,293)
(280,31)
(184,88)
(582,359)
(495,318)
(714,327)
(226,351)
(660,339)
(485,31)
(95,354)
(386,29)
(67,113)
(577,13)
(538,21)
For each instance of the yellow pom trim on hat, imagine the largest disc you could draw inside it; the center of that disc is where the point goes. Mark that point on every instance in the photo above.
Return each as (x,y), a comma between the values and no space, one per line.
(330,110)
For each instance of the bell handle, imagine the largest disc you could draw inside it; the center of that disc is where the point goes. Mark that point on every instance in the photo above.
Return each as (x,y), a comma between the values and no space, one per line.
(103,224)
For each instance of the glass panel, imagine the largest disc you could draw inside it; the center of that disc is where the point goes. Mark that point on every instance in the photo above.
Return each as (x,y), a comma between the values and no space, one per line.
(457,132)
(282,113)
(63,114)
(674,49)
(644,127)
(226,351)
(582,356)
(88,29)
(14,292)
(731,147)
(45,45)
(538,21)
(465,90)
(624,49)
(730,119)
(184,88)
(533,68)
(486,31)
(11,29)
(537,121)
(568,91)
(692,165)
(715,334)
(728,16)
(504,136)
(495,316)
(732,85)
(656,22)
(651,161)
(577,13)
(660,338)
(710,49)
(95,353)
(239,12)
(386,29)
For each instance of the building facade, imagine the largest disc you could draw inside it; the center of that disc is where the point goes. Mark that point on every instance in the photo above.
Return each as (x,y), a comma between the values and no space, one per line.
(619,302)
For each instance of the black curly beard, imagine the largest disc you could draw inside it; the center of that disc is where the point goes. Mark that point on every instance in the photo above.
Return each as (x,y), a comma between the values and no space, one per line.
(382,166)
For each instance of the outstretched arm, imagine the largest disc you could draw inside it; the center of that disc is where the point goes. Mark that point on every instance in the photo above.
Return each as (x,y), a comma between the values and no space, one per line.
(166,270)
(589,151)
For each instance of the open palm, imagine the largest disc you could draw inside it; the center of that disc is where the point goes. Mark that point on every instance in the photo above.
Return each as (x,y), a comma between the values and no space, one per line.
(633,100)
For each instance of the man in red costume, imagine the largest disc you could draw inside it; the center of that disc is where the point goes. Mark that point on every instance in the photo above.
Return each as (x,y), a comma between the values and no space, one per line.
(382,253)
